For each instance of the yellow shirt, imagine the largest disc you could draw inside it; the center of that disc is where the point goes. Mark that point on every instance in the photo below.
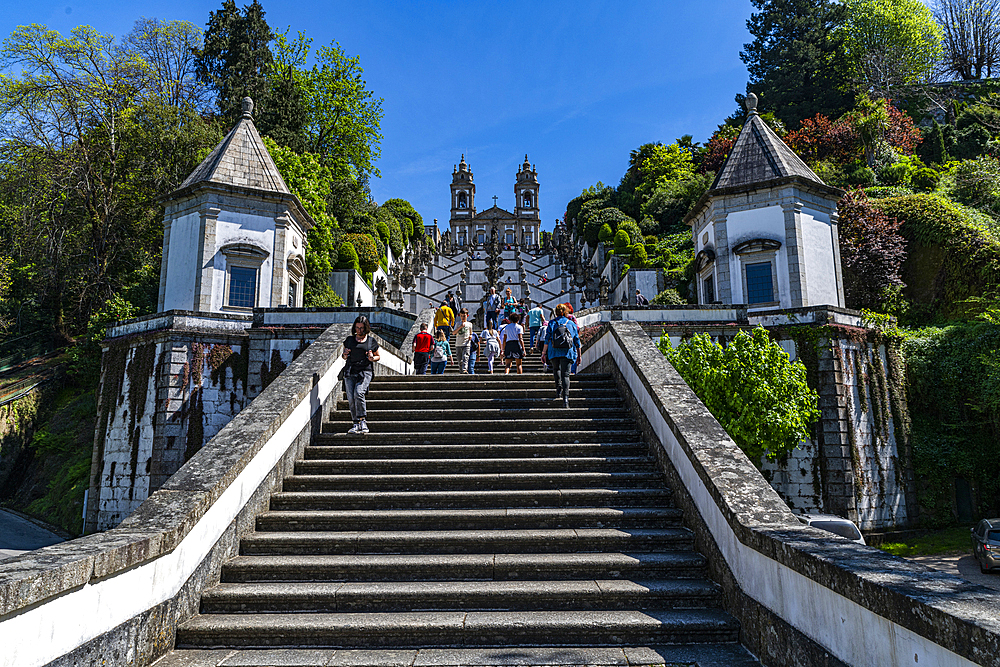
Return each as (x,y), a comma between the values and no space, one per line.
(444,317)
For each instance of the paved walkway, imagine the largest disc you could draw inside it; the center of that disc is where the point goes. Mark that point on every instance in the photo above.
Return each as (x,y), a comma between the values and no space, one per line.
(18,535)
(963,565)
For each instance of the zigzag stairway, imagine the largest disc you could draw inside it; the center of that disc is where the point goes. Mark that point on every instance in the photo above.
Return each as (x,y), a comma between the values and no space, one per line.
(480,522)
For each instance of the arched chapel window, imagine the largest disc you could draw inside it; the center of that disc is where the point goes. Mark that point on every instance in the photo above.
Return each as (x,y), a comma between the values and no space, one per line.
(527,200)
(462,200)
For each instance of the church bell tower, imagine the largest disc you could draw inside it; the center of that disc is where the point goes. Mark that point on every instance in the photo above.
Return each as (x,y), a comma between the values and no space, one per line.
(526,191)
(463,192)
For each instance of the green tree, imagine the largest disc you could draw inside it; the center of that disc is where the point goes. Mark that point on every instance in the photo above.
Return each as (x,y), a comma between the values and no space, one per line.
(311,182)
(752,387)
(796,59)
(344,116)
(170,50)
(284,116)
(411,222)
(890,43)
(236,58)
(88,142)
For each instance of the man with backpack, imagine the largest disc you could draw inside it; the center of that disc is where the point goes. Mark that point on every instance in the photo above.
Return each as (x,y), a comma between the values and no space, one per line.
(492,306)
(423,343)
(473,352)
(562,348)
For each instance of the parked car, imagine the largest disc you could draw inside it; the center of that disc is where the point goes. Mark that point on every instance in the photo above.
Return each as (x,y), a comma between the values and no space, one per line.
(834,524)
(986,544)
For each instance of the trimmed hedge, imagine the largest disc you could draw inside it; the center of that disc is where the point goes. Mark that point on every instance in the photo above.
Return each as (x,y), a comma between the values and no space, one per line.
(951,256)
(366,250)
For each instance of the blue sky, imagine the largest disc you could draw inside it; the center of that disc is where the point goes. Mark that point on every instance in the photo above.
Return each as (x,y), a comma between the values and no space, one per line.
(575,85)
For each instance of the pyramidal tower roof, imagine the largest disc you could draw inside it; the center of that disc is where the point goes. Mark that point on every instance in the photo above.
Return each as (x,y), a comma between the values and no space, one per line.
(759,157)
(240,160)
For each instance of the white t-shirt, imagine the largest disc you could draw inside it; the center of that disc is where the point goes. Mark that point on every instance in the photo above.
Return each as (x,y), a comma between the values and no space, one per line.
(511,332)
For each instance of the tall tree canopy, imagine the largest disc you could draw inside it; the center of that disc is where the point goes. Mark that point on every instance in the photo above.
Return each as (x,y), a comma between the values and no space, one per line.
(890,43)
(236,58)
(971,33)
(796,59)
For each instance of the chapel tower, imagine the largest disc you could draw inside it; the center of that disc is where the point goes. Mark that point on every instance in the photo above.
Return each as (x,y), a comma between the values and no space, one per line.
(526,191)
(463,192)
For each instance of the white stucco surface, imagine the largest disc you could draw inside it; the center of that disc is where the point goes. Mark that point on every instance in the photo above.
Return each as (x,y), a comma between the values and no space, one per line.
(821,273)
(182,263)
(237,228)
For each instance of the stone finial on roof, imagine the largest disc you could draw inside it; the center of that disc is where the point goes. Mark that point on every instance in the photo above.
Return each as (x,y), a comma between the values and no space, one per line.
(247,105)
(751,103)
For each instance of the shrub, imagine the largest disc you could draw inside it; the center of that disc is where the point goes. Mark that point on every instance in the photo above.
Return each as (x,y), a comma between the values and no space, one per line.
(347,256)
(637,255)
(950,255)
(861,176)
(885,191)
(871,253)
(382,230)
(366,249)
(629,226)
(322,297)
(971,142)
(668,297)
(752,387)
(925,179)
(898,173)
(606,234)
(621,240)
(977,183)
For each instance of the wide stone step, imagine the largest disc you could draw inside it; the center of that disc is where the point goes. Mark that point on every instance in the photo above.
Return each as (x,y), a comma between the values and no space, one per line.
(526,518)
(332,500)
(489,393)
(562,420)
(378,449)
(545,399)
(458,628)
(481,380)
(467,541)
(403,596)
(702,655)
(458,420)
(469,482)
(471,567)
(475,465)
(448,437)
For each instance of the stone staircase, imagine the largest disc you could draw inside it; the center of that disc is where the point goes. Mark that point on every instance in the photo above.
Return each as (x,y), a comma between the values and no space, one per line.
(478,515)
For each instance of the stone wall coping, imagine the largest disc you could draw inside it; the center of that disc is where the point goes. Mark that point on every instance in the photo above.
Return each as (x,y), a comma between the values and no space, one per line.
(180,320)
(271,317)
(167,516)
(938,607)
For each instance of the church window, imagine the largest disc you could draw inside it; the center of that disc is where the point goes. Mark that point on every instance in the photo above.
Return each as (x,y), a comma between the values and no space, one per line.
(242,287)
(293,288)
(527,200)
(708,288)
(482,236)
(760,288)
(463,201)
(509,236)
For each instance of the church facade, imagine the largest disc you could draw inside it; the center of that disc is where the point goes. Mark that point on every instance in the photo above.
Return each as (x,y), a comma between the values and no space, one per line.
(468,226)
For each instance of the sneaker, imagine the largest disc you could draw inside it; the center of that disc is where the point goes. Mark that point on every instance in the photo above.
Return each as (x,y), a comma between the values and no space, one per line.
(566,401)
(558,393)
(355,429)
(364,424)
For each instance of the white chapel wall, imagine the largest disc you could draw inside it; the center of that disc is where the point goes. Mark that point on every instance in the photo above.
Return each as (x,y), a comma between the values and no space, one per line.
(182,262)
(821,274)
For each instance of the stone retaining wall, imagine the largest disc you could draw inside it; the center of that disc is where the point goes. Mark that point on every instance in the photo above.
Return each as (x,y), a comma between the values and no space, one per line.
(115,598)
(802,595)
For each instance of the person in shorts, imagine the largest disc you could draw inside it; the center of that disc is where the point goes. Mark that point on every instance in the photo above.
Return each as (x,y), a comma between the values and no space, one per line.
(512,339)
